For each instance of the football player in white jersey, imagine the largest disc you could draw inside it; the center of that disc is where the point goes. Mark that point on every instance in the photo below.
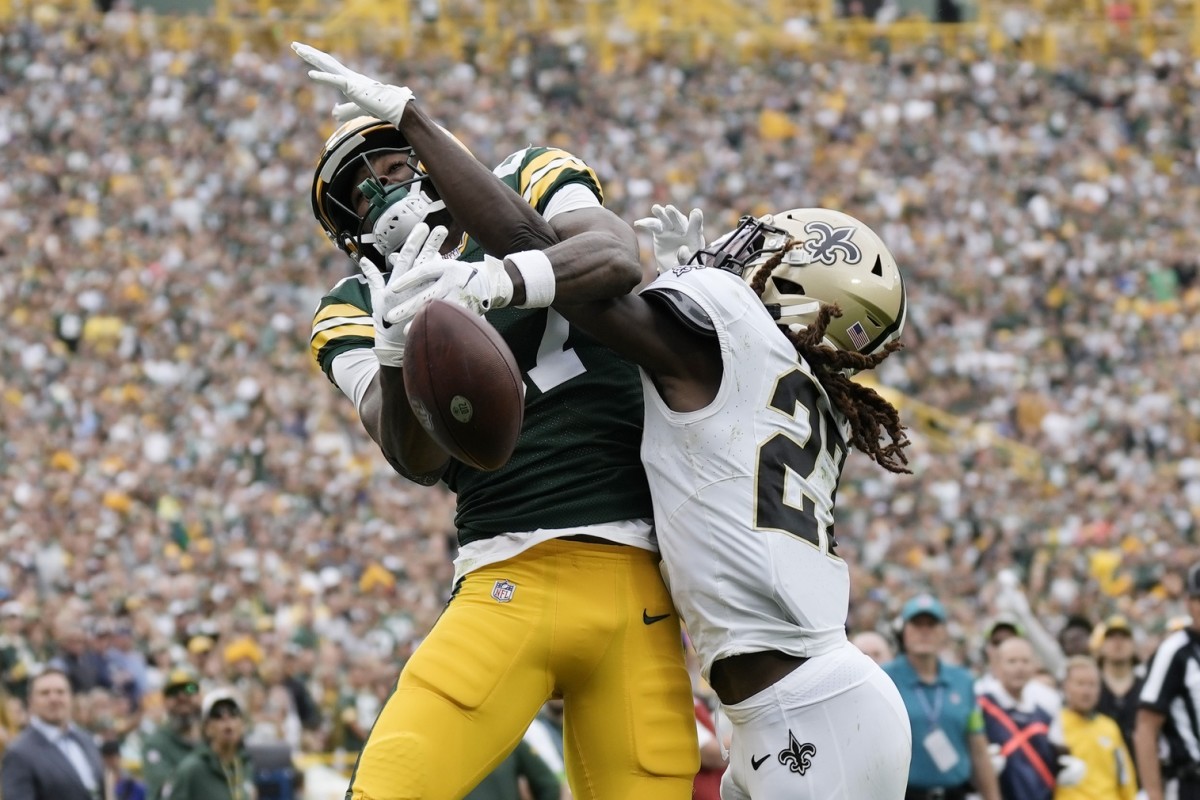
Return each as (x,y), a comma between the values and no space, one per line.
(746,351)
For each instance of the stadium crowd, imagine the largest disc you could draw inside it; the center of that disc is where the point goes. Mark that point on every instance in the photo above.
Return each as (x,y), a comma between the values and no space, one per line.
(184,489)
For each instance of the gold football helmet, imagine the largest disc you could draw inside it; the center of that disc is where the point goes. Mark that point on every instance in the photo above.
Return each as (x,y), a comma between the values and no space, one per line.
(823,256)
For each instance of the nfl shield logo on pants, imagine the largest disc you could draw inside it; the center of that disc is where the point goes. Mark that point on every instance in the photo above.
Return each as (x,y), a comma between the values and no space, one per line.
(503,591)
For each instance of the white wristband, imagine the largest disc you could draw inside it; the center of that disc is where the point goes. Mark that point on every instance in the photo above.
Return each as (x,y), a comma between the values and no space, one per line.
(538,275)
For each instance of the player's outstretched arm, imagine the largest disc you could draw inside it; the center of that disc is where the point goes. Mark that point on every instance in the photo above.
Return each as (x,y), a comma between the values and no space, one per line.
(592,251)
(494,215)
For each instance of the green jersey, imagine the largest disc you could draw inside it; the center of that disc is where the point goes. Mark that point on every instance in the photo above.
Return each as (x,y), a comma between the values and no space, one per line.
(577,459)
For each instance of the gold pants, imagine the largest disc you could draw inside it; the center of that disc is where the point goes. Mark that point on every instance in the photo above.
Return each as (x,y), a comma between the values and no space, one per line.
(563,617)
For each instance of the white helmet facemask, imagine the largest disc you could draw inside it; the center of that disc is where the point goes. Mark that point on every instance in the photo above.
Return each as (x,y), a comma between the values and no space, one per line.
(394,212)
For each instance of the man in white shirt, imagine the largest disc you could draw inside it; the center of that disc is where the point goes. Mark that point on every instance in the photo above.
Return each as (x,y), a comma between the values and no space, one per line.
(51,759)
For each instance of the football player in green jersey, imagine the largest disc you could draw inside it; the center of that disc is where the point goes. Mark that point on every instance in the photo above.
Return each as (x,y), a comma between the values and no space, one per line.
(557,588)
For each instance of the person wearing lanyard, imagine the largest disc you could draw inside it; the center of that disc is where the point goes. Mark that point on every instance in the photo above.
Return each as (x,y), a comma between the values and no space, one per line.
(220,768)
(950,750)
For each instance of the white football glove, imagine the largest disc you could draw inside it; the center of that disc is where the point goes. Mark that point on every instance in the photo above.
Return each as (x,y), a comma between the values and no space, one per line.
(997,758)
(387,297)
(1071,770)
(366,95)
(479,286)
(676,238)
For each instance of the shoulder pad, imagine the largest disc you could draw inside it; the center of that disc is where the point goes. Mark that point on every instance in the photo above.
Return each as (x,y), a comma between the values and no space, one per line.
(685,309)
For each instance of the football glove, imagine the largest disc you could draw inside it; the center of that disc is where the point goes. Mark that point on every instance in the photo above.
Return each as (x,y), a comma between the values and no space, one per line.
(388,296)
(1071,770)
(366,95)
(479,286)
(676,238)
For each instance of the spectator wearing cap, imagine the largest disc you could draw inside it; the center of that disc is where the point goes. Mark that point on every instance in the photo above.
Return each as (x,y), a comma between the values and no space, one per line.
(1093,738)
(220,768)
(950,751)
(1167,707)
(1120,677)
(165,749)
(997,632)
(51,759)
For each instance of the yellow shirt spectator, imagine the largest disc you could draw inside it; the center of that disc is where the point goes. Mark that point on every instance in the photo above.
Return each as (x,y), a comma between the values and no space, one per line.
(1094,738)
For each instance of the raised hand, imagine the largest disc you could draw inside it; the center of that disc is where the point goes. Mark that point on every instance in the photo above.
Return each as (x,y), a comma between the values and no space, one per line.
(676,238)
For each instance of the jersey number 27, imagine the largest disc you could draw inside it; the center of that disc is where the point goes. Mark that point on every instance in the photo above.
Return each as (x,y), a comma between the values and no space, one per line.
(795,393)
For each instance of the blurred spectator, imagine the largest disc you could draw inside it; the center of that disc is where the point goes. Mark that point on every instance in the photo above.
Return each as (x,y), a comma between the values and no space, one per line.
(1035,693)
(874,645)
(1167,707)
(1120,681)
(707,784)
(127,664)
(220,768)
(1012,602)
(950,750)
(51,759)
(10,723)
(1029,736)
(78,658)
(522,774)
(298,665)
(118,783)
(1093,738)
(1074,639)
(17,661)
(165,748)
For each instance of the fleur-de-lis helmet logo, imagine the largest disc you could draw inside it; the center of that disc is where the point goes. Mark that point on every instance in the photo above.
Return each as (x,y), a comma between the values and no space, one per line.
(826,241)
(797,757)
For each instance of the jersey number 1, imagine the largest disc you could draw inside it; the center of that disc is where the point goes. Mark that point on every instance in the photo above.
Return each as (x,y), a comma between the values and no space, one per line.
(556,363)
(795,393)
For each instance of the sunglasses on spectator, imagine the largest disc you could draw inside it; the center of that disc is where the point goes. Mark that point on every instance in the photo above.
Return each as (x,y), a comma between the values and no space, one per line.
(187,688)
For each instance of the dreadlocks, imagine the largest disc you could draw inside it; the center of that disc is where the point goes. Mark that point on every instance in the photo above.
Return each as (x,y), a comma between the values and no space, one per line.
(870,415)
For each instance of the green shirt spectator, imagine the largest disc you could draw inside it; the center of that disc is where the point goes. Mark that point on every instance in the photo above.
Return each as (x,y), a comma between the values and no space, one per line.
(219,769)
(166,748)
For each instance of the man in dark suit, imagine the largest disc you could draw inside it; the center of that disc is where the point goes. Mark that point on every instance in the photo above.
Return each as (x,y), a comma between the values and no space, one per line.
(51,759)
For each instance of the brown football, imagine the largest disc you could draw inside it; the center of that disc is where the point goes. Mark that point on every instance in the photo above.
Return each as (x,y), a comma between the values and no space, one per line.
(464,385)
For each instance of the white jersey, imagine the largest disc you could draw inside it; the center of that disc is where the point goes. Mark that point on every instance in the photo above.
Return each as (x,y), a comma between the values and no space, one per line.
(744,488)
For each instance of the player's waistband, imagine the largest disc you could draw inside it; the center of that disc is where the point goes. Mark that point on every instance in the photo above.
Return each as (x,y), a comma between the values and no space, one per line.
(634,534)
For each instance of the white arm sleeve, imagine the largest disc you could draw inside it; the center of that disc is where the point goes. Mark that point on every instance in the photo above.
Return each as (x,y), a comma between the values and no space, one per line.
(353,371)
(571,197)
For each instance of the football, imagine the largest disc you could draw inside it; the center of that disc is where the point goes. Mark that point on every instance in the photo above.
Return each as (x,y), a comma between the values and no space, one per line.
(464,385)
